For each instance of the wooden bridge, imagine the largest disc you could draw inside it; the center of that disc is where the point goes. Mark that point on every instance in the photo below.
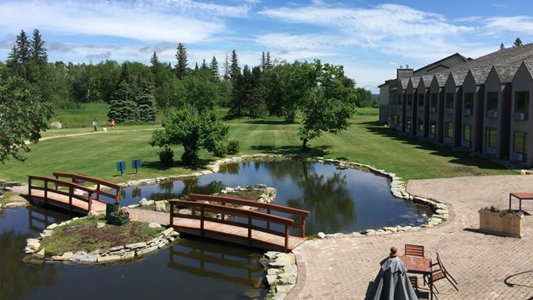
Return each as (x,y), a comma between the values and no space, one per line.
(70,192)
(238,221)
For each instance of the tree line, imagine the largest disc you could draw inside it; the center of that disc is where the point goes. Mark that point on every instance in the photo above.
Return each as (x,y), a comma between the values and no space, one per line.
(320,95)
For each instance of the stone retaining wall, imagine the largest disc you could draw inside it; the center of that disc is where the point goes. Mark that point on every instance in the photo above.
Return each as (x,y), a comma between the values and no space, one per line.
(126,252)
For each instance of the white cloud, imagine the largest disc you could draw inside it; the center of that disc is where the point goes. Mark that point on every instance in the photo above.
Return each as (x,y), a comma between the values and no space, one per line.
(515,24)
(171,20)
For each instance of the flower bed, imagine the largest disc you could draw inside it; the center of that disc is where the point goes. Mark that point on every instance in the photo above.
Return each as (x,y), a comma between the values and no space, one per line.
(501,222)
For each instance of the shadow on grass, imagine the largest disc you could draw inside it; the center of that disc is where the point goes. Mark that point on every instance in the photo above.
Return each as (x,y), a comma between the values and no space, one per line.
(457,157)
(267,122)
(156,165)
(284,150)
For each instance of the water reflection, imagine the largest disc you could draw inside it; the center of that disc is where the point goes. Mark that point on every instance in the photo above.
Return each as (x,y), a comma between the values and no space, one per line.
(339,200)
(190,269)
(327,198)
(217,261)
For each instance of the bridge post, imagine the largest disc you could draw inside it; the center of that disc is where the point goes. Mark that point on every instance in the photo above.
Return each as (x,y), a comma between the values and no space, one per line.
(249,230)
(286,237)
(202,209)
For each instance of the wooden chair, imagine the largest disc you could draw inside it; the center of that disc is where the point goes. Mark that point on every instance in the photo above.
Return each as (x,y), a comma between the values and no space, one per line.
(414,282)
(439,273)
(414,250)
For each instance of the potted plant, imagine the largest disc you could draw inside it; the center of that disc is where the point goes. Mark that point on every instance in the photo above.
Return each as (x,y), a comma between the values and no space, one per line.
(119,217)
(503,222)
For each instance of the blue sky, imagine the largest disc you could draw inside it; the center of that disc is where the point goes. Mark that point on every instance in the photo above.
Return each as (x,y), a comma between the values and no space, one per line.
(369,38)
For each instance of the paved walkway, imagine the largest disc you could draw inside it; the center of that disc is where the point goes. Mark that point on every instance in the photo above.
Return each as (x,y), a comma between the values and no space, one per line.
(341,268)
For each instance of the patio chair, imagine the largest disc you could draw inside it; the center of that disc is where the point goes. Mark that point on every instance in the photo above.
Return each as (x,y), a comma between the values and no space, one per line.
(414,250)
(440,273)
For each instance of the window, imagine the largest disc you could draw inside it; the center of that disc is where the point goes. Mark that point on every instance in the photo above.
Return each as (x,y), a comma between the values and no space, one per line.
(433,127)
(520,142)
(450,99)
(467,133)
(433,104)
(409,101)
(521,105)
(469,102)
(408,121)
(491,136)
(421,100)
(449,130)
(492,101)
(420,125)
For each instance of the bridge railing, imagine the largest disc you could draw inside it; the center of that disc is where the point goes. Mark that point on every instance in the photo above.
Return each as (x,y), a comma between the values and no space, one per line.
(299,213)
(61,187)
(209,212)
(112,191)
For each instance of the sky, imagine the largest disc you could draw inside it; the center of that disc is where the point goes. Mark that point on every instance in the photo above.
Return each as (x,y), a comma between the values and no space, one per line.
(371,39)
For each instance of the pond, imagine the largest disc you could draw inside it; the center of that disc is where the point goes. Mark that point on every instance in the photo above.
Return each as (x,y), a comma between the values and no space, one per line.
(189,269)
(339,200)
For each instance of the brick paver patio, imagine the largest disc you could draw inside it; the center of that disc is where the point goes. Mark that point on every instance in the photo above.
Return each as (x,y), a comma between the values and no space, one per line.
(342,267)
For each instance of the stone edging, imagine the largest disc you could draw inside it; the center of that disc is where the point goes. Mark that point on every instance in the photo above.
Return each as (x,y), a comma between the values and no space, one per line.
(113,254)
(281,273)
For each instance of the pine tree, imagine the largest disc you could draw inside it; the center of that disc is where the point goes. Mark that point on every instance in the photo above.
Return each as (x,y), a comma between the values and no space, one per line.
(213,66)
(226,68)
(234,68)
(146,105)
(37,51)
(502,47)
(181,56)
(123,106)
(517,42)
(19,57)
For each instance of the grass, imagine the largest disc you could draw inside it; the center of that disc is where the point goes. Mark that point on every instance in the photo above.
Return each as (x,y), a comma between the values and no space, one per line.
(81,150)
(82,235)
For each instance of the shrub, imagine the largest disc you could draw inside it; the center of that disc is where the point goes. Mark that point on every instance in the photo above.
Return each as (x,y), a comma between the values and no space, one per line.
(166,156)
(233,147)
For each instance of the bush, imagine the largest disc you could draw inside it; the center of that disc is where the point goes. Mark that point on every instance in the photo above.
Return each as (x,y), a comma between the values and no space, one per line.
(220,149)
(233,147)
(166,156)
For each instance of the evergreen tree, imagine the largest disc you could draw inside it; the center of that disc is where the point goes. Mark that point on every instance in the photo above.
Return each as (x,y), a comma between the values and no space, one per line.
(502,46)
(517,42)
(227,76)
(181,56)
(255,102)
(123,106)
(37,50)
(19,57)
(234,67)
(213,67)
(146,105)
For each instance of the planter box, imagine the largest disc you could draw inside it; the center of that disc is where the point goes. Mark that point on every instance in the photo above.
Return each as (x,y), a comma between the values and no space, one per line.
(118,219)
(507,225)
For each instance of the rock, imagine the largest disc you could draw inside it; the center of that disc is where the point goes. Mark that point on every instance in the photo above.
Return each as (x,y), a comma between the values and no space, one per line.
(283,288)
(160,206)
(65,256)
(271,279)
(107,259)
(40,254)
(51,226)
(174,234)
(100,225)
(143,202)
(33,244)
(146,250)
(167,232)
(56,125)
(128,255)
(290,269)
(117,248)
(154,225)
(321,235)
(16,204)
(135,245)
(271,254)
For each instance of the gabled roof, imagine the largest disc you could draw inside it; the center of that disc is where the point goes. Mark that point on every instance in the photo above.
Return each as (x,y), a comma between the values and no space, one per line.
(459,76)
(403,83)
(506,73)
(441,78)
(439,63)
(479,74)
(414,82)
(426,79)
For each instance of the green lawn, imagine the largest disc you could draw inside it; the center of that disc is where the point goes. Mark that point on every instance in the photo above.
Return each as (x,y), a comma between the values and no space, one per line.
(81,150)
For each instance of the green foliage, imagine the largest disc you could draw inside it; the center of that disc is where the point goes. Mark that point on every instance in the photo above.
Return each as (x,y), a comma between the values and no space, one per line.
(166,156)
(233,147)
(181,56)
(23,115)
(194,130)
(327,103)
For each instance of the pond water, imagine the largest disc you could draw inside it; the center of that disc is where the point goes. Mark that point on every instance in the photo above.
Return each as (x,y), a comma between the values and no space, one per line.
(339,200)
(189,269)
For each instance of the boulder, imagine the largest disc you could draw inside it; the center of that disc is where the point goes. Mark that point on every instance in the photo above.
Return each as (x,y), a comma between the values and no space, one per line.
(143,202)
(56,125)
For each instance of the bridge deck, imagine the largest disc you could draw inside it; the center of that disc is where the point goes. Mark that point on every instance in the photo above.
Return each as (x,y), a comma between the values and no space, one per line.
(62,201)
(236,234)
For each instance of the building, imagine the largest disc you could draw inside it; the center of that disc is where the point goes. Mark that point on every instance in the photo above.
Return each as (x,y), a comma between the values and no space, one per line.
(481,105)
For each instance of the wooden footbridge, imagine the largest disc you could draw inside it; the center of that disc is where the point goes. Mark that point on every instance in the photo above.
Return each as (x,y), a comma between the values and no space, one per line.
(67,191)
(239,221)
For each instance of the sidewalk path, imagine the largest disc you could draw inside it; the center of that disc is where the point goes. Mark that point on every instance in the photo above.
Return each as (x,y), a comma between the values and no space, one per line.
(341,268)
